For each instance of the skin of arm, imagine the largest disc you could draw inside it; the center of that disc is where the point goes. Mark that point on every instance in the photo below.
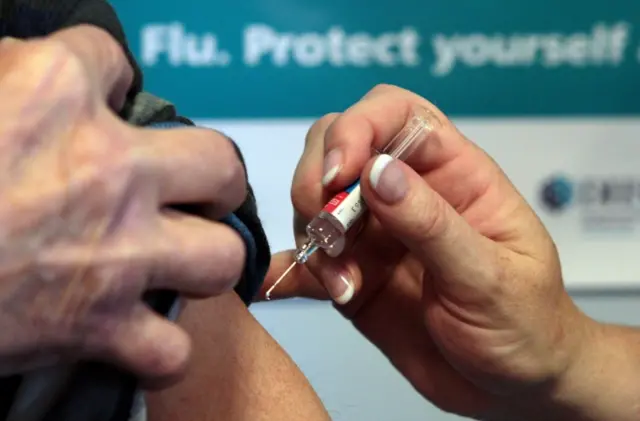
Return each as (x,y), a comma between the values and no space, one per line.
(603,383)
(237,372)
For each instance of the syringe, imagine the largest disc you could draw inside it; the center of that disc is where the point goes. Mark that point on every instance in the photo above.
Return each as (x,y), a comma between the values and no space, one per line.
(328,230)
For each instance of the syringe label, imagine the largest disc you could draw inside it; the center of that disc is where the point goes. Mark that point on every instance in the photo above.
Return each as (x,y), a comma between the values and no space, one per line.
(347,206)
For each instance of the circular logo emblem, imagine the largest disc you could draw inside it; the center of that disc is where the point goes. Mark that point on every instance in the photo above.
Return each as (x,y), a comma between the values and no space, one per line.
(557,193)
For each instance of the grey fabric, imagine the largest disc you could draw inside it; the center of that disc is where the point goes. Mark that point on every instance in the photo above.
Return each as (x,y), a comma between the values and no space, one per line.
(145,108)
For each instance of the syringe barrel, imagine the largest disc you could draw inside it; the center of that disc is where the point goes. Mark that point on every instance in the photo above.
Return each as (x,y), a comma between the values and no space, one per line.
(419,127)
(329,228)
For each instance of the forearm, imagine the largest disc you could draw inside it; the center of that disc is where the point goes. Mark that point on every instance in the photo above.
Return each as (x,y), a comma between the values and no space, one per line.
(238,372)
(602,384)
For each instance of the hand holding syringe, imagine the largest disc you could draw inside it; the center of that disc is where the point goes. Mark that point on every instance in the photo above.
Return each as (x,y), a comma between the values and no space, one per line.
(451,268)
(328,230)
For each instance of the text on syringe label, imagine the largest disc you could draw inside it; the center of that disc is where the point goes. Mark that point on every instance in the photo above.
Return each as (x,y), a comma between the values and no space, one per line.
(347,206)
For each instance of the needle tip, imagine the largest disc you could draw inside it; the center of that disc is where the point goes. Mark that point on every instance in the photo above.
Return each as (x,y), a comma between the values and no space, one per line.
(286,272)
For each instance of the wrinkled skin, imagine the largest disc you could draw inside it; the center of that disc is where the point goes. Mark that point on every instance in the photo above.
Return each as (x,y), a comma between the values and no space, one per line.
(85,227)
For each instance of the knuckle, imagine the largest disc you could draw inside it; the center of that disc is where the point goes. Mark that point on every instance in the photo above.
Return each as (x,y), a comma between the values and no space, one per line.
(232,175)
(228,262)
(327,119)
(333,132)
(104,48)
(297,197)
(80,299)
(54,59)
(351,133)
(497,276)
(102,169)
(115,55)
(121,281)
(431,215)
(317,131)
(383,89)
(55,72)
(45,76)
(236,257)
(302,197)
(106,285)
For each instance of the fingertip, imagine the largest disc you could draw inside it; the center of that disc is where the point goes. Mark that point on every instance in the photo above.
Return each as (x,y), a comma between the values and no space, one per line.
(389,181)
(211,261)
(347,294)
(152,347)
(167,353)
(379,164)
(332,166)
(340,277)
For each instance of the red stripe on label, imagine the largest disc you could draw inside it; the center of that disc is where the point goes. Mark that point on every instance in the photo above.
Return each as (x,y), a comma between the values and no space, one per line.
(335,202)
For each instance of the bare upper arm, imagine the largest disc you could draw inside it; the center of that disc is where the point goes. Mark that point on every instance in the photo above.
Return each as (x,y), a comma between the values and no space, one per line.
(237,373)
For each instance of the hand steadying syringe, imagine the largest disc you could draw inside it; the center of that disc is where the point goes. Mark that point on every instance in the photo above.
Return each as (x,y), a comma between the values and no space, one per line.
(328,230)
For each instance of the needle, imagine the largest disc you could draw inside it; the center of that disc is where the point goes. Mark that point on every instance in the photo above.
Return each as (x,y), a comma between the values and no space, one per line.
(286,272)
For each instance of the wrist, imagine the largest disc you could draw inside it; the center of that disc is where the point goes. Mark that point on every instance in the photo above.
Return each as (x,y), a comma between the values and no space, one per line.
(552,399)
(600,382)
(565,397)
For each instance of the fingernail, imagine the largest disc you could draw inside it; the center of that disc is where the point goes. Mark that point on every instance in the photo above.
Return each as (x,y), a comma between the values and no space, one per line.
(388,180)
(332,166)
(338,284)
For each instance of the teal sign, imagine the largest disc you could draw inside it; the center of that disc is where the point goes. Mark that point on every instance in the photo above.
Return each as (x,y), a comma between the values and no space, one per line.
(305,58)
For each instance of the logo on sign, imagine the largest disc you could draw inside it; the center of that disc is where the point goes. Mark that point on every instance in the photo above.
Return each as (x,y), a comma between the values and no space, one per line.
(601,202)
(557,193)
